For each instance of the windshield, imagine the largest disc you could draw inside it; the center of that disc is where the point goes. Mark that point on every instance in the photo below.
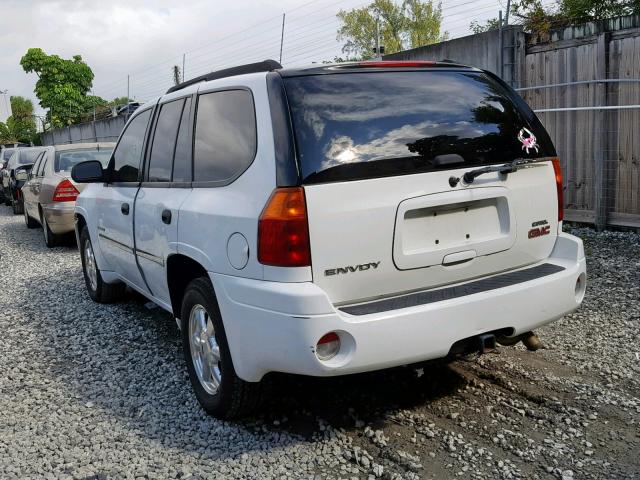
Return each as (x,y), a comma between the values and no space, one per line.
(65,160)
(365,125)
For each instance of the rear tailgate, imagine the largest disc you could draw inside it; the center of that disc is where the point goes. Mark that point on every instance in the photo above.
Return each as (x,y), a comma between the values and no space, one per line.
(378,237)
(376,151)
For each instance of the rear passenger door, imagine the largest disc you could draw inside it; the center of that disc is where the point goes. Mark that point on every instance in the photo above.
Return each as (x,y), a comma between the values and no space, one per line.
(167,184)
(115,206)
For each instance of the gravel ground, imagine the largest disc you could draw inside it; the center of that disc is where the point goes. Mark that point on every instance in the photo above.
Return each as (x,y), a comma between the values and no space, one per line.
(90,391)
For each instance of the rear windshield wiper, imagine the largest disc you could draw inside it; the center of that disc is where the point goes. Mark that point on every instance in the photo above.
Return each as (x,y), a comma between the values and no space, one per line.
(503,169)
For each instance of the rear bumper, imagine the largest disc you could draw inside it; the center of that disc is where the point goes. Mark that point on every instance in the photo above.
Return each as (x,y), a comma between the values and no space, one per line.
(275,326)
(60,217)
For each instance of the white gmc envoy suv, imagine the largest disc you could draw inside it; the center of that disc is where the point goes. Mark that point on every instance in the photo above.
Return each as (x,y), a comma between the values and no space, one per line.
(331,220)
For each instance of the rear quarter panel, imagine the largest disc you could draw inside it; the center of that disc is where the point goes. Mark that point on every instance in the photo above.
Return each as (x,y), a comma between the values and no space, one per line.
(209,216)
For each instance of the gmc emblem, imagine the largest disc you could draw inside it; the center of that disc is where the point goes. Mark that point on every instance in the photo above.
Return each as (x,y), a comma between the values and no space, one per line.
(539,232)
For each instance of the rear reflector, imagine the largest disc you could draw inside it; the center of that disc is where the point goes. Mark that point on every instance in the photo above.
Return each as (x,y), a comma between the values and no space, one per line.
(557,169)
(283,231)
(328,346)
(395,64)
(65,192)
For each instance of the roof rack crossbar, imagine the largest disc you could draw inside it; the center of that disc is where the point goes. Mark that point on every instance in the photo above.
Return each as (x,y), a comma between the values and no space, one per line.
(264,66)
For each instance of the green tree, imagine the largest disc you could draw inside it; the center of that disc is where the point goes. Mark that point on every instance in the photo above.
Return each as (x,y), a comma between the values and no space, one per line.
(409,24)
(539,18)
(491,24)
(21,125)
(62,87)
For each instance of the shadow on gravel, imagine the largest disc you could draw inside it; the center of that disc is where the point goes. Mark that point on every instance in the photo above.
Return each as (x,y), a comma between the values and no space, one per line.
(124,362)
(368,397)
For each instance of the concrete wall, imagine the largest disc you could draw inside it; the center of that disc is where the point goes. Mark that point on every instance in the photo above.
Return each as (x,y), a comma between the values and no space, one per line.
(482,51)
(107,130)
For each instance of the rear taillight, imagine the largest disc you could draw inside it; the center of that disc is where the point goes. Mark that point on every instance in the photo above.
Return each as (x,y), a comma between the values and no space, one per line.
(557,169)
(283,230)
(65,192)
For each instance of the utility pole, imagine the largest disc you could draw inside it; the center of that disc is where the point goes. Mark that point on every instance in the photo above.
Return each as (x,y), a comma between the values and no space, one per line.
(500,47)
(128,89)
(378,55)
(506,15)
(184,57)
(282,37)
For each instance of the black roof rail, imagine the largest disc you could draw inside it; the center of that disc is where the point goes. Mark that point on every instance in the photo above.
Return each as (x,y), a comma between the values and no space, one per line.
(264,66)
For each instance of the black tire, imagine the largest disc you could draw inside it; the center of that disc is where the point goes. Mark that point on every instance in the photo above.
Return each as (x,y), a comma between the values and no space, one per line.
(234,398)
(103,292)
(30,222)
(50,239)
(17,206)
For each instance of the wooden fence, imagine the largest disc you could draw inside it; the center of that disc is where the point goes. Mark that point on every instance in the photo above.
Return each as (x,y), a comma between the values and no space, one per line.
(580,69)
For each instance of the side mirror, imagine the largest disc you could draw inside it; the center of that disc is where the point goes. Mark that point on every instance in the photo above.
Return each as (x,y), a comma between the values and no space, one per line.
(88,172)
(22,175)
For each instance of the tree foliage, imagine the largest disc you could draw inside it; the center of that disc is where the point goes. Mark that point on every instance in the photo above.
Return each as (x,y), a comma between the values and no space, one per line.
(491,24)
(62,87)
(539,18)
(409,24)
(20,127)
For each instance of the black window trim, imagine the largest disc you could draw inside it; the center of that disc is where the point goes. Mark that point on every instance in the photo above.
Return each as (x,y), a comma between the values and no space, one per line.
(109,183)
(43,164)
(33,173)
(145,180)
(152,136)
(229,181)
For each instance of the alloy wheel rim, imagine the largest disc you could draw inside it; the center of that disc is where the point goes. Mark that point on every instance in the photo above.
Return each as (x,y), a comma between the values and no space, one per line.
(90,265)
(205,351)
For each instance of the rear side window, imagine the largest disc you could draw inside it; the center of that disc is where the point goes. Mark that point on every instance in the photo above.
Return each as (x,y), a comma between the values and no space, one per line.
(365,125)
(225,137)
(164,141)
(125,162)
(28,156)
(182,157)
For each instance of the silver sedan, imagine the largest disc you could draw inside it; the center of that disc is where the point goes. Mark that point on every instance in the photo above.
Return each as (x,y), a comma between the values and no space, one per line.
(50,193)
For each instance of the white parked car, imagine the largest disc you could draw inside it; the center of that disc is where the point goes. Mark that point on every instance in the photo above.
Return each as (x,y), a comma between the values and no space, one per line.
(331,220)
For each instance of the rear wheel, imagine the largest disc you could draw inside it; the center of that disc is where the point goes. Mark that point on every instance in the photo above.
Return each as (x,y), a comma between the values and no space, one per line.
(204,342)
(50,238)
(30,222)
(99,291)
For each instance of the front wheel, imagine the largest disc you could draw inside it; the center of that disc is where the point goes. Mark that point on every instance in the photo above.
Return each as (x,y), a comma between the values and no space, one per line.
(99,291)
(204,342)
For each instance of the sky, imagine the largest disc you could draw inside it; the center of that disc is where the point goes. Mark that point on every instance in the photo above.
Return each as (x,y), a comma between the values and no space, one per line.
(142,39)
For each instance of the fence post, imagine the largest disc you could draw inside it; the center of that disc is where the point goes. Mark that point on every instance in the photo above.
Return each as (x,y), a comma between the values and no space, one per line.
(602,180)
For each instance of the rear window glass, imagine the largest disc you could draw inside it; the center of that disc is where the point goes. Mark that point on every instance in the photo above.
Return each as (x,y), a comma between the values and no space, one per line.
(364,125)
(65,160)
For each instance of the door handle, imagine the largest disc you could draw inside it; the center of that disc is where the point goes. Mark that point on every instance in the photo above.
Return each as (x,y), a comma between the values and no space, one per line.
(124,208)
(166,216)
